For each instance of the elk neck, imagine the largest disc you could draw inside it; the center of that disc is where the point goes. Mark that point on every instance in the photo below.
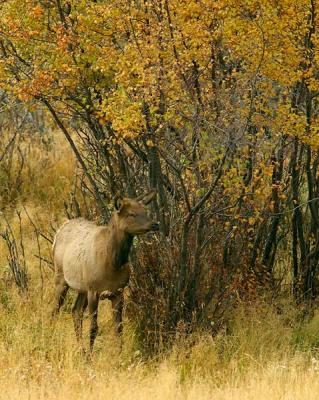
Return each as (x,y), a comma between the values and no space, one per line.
(121,243)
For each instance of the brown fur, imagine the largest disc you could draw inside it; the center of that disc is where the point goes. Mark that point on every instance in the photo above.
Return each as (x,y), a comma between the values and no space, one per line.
(93,259)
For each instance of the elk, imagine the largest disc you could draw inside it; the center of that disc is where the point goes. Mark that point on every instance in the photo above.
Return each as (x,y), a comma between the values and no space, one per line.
(93,260)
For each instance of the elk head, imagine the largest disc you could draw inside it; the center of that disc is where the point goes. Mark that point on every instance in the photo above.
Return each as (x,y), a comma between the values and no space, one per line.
(133,216)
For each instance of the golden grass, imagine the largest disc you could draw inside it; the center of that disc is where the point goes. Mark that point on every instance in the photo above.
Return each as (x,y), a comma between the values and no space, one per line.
(271,383)
(259,358)
(39,359)
(46,176)
(264,356)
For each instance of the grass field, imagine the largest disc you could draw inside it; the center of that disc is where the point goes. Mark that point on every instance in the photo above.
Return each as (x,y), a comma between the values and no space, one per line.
(263,356)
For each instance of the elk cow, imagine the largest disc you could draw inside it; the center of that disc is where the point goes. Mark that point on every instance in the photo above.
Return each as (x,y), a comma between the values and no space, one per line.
(93,259)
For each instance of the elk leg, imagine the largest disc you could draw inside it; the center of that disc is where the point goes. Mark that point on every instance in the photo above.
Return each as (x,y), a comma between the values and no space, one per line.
(77,313)
(61,289)
(117,307)
(93,303)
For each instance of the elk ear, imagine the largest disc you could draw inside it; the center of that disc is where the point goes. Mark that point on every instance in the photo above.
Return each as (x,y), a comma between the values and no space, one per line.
(148,197)
(118,202)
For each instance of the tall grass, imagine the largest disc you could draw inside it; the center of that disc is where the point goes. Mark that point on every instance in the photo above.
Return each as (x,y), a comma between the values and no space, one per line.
(258,358)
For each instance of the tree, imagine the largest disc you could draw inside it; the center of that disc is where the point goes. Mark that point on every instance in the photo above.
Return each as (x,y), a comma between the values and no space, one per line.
(214,103)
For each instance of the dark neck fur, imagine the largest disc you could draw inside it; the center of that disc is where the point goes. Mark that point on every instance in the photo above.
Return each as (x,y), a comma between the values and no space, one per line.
(123,251)
(121,244)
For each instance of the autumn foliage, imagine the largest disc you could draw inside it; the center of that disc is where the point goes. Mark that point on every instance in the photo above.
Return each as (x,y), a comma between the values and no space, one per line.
(215,104)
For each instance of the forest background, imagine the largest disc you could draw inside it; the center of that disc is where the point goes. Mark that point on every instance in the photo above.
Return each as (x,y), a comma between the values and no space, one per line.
(214,104)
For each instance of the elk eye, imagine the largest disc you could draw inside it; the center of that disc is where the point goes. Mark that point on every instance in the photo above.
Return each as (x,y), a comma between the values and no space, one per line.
(132,214)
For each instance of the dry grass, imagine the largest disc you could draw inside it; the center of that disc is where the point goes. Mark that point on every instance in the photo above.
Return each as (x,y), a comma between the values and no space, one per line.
(271,383)
(40,360)
(263,356)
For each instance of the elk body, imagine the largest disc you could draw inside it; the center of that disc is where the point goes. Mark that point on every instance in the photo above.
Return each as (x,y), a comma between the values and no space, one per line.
(92,259)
